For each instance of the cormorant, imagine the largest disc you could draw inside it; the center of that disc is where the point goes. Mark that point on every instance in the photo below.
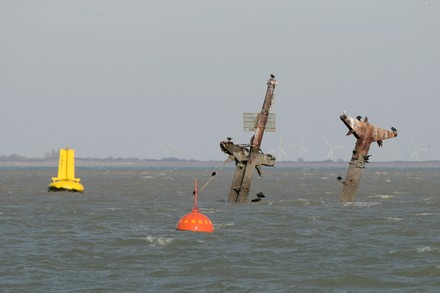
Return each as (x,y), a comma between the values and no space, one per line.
(339,178)
(393,129)
(260,195)
(359,118)
(272,76)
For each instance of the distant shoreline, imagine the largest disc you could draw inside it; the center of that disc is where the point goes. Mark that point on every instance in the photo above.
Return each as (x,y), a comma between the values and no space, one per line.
(18,161)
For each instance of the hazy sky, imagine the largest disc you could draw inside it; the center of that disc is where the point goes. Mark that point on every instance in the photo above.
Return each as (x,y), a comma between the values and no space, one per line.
(139,78)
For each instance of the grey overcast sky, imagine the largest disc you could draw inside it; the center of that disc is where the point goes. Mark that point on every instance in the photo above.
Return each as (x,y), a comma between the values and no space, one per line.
(150,79)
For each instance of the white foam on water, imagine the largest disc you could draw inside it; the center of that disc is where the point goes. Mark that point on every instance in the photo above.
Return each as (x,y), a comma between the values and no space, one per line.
(361,204)
(305,202)
(391,219)
(224,225)
(423,249)
(425,214)
(314,218)
(158,241)
(384,196)
(114,209)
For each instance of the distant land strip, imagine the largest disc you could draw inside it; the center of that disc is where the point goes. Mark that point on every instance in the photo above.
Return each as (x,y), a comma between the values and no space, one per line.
(20,161)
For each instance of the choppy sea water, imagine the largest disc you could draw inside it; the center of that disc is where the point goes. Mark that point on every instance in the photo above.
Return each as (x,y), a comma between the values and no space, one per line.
(119,236)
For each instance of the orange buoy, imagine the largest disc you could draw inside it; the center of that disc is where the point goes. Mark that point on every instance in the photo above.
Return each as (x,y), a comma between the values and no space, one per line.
(195,221)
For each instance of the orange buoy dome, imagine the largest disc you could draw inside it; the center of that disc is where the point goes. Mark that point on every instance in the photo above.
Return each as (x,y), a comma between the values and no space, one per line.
(196,222)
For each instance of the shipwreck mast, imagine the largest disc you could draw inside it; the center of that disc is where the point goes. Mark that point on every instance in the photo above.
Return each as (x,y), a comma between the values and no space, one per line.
(365,133)
(248,157)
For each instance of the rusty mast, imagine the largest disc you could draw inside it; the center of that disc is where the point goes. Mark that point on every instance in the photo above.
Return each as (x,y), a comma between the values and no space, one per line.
(365,134)
(248,157)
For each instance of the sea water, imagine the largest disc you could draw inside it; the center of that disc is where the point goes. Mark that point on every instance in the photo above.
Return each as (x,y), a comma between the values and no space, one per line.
(120,236)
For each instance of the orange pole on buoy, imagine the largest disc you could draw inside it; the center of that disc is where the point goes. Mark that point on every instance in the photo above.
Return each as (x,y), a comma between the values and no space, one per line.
(196,193)
(195,221)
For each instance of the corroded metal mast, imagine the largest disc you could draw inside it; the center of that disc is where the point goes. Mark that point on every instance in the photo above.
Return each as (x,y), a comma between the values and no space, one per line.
(248,157)
(365,134)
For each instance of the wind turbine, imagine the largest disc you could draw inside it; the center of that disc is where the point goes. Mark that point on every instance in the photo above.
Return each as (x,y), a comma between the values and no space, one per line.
(302,148)
(330,154)
(417,150)
(393,151)
(280,151)
(427,2)
(166,149)
(54,146)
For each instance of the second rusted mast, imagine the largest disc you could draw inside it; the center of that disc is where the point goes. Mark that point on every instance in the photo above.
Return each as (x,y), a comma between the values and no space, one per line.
(365,134)
(248,157)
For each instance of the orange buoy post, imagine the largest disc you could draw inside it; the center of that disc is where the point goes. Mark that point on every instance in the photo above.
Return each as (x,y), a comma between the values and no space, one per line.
(195,221)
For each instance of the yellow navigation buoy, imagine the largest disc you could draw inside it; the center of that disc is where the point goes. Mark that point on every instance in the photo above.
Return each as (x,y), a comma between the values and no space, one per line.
(195,221)
(66,180)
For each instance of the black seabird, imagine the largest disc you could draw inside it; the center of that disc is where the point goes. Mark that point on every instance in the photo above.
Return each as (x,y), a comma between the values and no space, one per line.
(260,195)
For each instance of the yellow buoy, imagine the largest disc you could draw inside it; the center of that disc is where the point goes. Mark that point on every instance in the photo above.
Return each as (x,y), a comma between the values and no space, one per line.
(66,180)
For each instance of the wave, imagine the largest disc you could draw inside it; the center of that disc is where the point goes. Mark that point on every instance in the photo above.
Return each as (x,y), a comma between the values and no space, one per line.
(224,225)
(425,214)
(361,204)
(383,196)
(423,249)
(159,241)
(392,219)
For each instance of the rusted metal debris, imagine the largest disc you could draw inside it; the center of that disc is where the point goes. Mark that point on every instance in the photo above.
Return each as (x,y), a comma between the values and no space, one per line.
(248,157)
(365,134)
